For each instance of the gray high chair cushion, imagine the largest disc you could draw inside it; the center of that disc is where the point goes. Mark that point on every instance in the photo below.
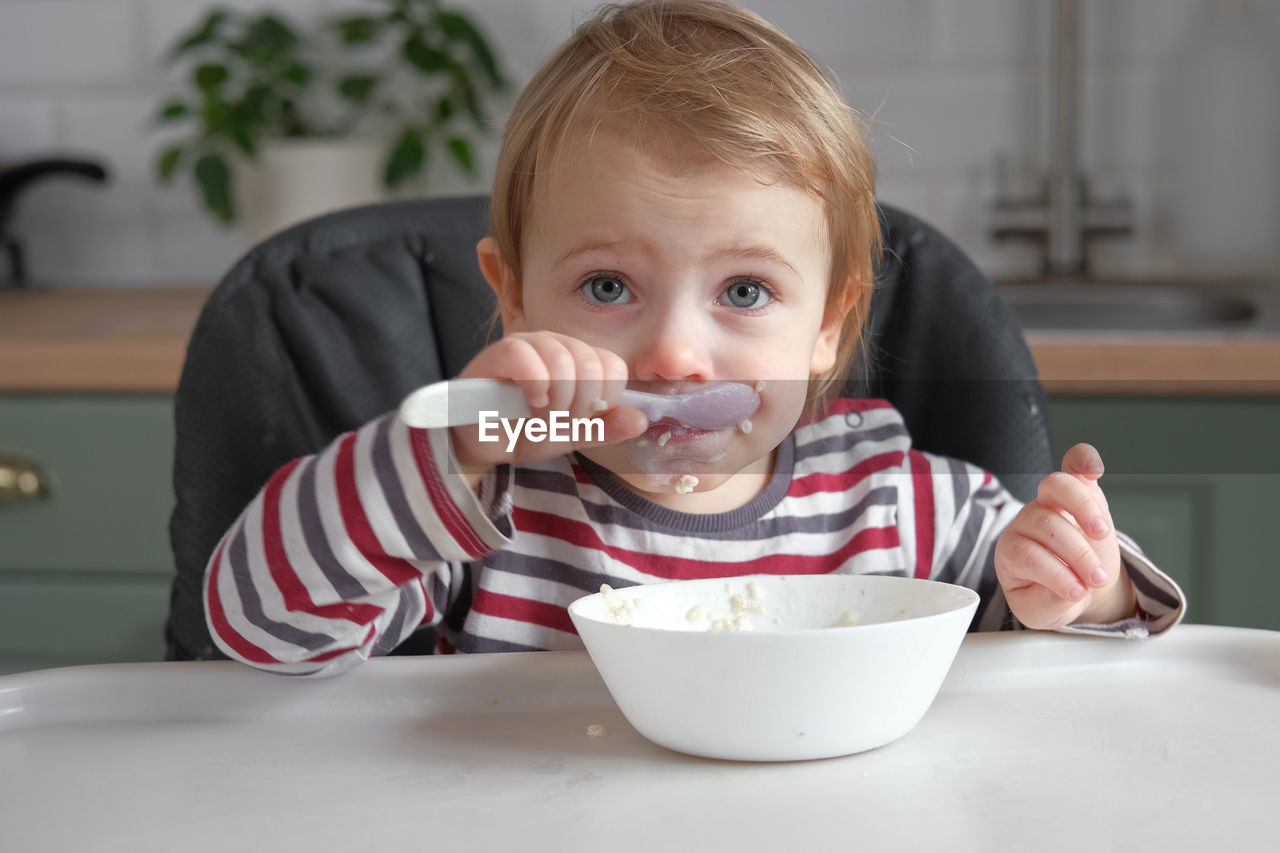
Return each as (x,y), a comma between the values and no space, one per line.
(331,323)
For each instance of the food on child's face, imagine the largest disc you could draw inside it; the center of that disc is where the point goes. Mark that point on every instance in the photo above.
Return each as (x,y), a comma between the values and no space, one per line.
(688,432)
(686,484)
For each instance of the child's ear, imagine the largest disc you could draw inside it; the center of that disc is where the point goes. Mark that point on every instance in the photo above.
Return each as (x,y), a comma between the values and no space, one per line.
(827,346)
(504,283)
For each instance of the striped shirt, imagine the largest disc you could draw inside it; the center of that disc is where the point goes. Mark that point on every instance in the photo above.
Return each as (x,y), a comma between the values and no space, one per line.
(344,554)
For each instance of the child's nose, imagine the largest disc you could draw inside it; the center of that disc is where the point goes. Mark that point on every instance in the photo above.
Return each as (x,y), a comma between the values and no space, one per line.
(673,349)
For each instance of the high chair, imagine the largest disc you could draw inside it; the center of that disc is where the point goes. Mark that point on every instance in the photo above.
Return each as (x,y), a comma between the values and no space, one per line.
(329,324)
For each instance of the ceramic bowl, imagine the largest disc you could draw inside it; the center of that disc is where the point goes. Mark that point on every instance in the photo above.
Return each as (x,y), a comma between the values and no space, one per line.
(775,667)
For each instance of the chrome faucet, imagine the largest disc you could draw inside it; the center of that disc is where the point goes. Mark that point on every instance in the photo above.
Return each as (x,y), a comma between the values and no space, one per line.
(1062,216)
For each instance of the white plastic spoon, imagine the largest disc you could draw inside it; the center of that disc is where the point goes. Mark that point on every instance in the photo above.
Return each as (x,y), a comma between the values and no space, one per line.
(459,401)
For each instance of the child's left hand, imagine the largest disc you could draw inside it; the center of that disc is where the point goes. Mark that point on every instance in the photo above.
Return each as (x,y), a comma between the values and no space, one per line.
(1059,561)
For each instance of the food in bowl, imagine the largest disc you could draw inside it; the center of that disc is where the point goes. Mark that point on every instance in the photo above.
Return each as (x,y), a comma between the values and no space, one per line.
(775,667)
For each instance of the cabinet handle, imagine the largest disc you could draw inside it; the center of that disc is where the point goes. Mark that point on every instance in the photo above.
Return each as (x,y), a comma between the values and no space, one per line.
(22,479)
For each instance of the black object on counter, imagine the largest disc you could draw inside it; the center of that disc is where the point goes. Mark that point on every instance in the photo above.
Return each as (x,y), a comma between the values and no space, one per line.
(13,180)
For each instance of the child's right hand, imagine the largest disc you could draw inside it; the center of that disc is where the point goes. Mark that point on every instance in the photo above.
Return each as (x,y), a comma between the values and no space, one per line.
(557,373)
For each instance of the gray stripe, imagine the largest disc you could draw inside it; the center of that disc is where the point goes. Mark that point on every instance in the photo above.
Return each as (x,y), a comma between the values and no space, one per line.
(389,481)
(251,604)
(347,587)
(469,643)
(1145,586)
(963,551)
(959,483)
(843,442)
(587,580)
(770,527)
(391,636)
(543,480)
(960,555)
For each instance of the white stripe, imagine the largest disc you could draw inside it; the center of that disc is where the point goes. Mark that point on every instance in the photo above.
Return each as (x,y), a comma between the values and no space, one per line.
(373,499)
(294,541)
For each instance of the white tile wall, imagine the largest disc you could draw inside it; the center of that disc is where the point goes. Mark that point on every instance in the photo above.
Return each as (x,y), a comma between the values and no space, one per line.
(955,86)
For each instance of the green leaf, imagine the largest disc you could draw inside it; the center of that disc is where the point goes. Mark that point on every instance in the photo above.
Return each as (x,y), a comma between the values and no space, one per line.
(444,109)
(172,111)
(214,179)
(408,156)
(424,57)
(458,28)
(467,91)
(297,73)
(357,87)
(462,154)
(210,75)
(167,163)
(358,29)
(241,130)
(201,35)
(271,33)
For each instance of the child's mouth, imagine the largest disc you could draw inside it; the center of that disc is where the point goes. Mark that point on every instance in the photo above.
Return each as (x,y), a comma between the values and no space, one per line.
(667,432)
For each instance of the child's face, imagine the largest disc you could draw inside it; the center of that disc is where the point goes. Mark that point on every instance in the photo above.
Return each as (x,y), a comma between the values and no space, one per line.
(693,273)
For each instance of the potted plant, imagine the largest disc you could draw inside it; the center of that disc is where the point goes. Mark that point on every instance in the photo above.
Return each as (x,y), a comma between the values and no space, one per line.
(391,86)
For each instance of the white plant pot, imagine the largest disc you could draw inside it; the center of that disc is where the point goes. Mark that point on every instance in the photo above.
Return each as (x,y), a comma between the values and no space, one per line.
(296,180)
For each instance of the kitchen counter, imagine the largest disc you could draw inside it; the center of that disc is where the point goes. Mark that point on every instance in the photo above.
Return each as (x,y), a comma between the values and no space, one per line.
(96,340)
(135,341)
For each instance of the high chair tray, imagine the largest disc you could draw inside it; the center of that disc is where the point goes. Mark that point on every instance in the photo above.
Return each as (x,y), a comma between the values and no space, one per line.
(1036,741)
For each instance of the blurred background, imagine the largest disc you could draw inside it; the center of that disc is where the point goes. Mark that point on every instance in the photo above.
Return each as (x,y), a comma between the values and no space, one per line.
(1178,114)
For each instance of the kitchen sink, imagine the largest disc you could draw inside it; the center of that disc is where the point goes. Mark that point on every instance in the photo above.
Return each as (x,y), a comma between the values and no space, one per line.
(1139,307)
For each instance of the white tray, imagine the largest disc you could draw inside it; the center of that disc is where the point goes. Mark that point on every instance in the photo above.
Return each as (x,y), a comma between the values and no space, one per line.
(1036,741)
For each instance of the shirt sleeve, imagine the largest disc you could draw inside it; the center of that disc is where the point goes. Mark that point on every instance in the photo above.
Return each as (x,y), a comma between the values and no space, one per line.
(344,554)
(967,509)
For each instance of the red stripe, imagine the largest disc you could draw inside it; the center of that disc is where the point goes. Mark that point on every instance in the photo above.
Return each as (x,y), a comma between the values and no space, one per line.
(840,481)
(296,597)
(583,535)
(523,610)
(245,650)
(455,523)
(922,486)
(396,570)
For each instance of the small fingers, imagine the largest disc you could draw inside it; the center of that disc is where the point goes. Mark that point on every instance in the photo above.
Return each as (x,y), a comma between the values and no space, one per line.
(1067,493)
(1027,560)
(1070,551)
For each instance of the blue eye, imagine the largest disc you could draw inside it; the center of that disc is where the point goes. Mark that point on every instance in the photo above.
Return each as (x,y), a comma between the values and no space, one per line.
(746,293)
(606,289)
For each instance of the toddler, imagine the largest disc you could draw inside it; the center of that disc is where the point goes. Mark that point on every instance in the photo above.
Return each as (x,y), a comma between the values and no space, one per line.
(682,201)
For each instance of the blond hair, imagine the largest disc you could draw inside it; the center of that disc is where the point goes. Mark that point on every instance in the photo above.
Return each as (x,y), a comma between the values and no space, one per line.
(723,79)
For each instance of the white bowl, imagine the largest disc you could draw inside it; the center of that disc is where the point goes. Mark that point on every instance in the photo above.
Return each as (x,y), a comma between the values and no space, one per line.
(797,681)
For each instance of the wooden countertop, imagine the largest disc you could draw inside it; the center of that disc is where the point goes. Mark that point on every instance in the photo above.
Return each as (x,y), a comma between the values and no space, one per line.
(96,340)
(135,341)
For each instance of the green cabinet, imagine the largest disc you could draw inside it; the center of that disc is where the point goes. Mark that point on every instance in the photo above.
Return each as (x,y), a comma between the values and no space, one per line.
(84,571)
(1197,483)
